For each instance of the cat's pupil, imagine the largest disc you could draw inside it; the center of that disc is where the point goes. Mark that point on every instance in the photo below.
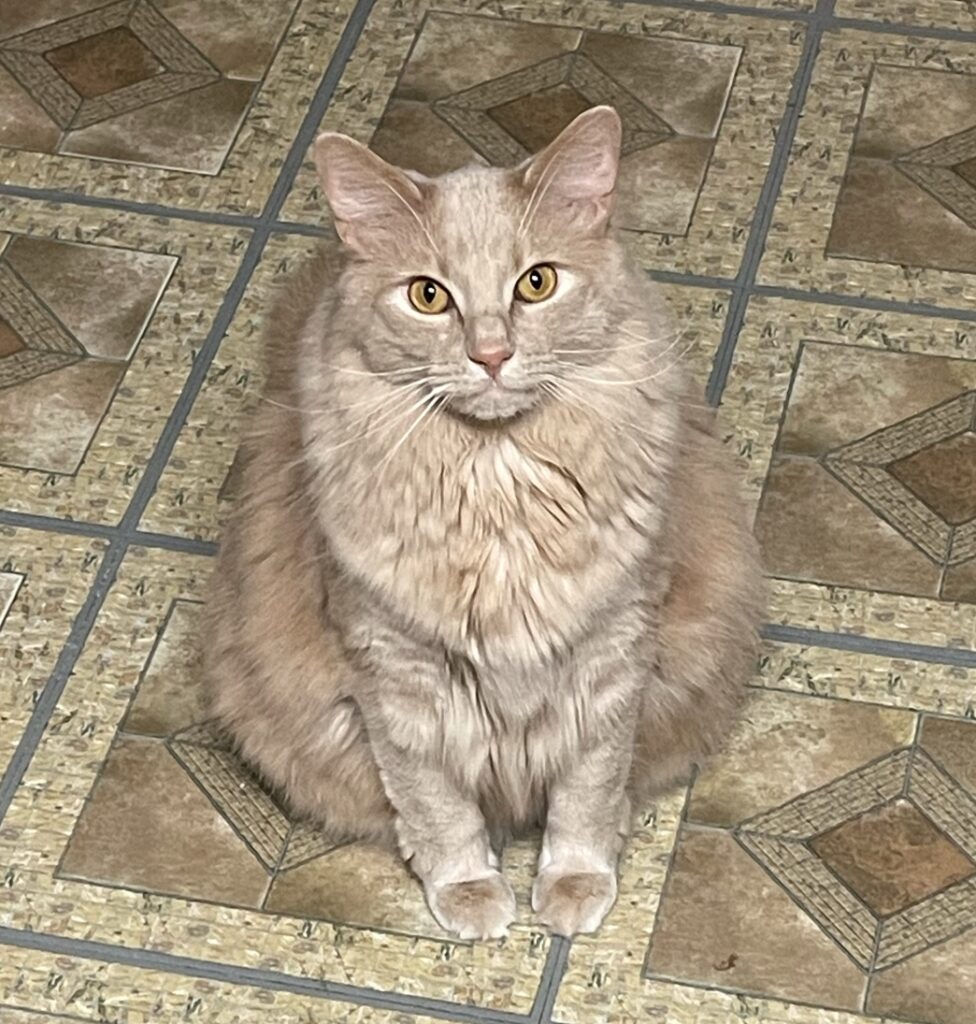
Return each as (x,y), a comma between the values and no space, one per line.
(430,292)
(535,279)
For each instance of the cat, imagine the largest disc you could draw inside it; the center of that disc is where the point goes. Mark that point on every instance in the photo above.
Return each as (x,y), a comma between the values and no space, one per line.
(487,569)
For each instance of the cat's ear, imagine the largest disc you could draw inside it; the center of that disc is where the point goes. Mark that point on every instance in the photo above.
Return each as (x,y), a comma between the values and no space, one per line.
(373,203)
(577,172)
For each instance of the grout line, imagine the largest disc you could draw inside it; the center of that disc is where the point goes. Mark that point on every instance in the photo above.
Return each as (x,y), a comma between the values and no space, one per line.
(864,302)
(33,521)
(552,976)
(961,35)
(763,212)
(254,977)
(127,529)
(854,642)
(720,7)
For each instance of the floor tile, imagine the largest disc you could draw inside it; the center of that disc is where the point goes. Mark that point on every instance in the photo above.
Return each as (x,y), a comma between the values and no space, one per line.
(957,14)
(855,429)
(200,110)
(439,88)
(878,197)
(194,491)
(44,580)
(101,314)
(126,807)
(39,988)
(826,858)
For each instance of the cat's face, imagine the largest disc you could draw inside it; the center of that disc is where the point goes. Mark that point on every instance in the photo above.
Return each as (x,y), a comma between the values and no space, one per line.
(488,285)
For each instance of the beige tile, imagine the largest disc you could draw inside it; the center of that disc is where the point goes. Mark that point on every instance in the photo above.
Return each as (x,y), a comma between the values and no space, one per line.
(723,921)
(936,986)
(48,422)
(875,199)
(952,743)
(787,745)
(23,123)
(169,698)
(104,296)
(123,280)
(238,36)
(147,826)
(192,132)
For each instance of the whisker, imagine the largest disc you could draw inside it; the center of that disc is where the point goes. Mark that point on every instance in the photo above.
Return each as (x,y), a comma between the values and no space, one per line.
(431,403)
(416,216)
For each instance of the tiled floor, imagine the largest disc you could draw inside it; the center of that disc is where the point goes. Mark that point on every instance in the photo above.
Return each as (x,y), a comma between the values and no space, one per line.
(801,175)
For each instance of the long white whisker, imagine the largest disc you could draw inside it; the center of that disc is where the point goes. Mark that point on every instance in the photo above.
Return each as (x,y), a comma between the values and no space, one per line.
(415,215)
(538,194)
(403,371)
(430,404)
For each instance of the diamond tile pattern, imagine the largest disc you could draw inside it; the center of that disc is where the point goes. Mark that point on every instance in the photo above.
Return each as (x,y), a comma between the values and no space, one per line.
(819,260)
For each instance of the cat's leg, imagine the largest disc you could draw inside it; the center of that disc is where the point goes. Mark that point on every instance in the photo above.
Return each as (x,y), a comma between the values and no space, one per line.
(440,829)
(588,820)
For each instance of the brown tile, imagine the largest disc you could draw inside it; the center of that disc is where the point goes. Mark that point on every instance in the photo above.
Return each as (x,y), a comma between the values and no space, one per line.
(811,527)
(48,421)
(104,62)
(787,745)
(936,986)
(147,825)
(723,921)
(10,340)
(903,199)
(952,743)
(536,119)
(455,52)
(191,132)
(892,857)
(358,885)
(170,696)
(687,83)
(413,136)
(237,36)
(103,295)
(943,476)
(23,123)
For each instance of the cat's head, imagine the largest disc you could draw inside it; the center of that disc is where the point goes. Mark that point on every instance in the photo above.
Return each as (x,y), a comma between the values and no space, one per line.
(489,283)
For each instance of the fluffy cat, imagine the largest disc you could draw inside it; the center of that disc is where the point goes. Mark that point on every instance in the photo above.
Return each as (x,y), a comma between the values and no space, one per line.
(487,568)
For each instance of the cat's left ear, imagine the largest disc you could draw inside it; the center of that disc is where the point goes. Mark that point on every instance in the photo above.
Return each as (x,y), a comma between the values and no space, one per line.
(577,172)
(376,206)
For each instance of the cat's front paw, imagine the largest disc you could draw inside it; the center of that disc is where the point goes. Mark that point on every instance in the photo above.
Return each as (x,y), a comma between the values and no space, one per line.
(571,902)
(479,909)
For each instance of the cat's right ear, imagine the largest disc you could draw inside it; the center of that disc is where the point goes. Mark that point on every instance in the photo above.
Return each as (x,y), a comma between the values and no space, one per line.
(374,203)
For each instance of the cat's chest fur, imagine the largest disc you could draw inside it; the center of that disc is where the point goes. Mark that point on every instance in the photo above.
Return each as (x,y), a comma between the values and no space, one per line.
(500,553)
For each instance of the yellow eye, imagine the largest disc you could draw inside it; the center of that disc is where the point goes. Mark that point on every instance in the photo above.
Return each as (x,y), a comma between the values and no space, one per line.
(427,296)
(537,283)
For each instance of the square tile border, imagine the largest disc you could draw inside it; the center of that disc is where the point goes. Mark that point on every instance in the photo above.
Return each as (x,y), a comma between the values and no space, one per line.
(753,402)
(796,243)
(252,165)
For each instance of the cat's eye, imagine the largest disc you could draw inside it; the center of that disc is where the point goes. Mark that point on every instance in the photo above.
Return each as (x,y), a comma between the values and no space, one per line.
(537,283)
(427,296)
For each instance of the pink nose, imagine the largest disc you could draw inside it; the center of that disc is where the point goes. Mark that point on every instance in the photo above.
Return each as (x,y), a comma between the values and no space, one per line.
(491,360)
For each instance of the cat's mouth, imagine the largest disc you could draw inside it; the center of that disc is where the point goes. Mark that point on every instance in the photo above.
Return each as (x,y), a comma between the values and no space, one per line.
(495,400)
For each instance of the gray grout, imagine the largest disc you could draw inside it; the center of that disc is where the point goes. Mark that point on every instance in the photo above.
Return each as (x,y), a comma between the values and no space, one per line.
(126,533)
(255,977)
(552,976)
(905,650)
(763,212)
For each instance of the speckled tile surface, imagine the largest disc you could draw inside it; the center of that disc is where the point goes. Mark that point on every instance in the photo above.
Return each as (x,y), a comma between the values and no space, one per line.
(822,869)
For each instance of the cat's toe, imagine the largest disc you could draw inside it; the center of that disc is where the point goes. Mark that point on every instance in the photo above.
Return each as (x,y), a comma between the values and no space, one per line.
(480,909)
(573,902)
